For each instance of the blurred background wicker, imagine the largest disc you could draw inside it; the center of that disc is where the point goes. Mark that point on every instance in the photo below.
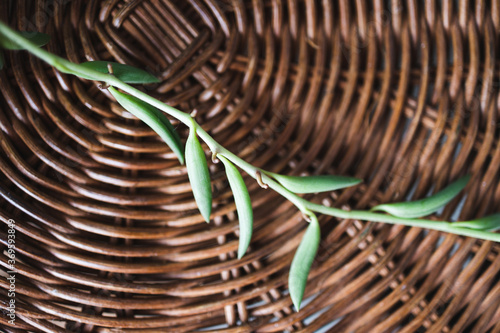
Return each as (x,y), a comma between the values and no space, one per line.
(403,94)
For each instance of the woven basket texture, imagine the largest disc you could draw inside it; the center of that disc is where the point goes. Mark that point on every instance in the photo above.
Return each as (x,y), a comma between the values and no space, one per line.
(403,94)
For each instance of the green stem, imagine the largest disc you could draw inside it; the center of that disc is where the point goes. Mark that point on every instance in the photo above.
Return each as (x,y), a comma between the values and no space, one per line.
(303,205)
(68,67)
(252,171)
(389,219)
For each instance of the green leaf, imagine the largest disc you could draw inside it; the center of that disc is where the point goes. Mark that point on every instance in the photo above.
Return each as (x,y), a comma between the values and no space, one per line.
(487,223)
(426,206)
(37,38)
(302,262)
(243,205)
(314,184)
(198,174)
(153,118)
(127,74)
(177,144)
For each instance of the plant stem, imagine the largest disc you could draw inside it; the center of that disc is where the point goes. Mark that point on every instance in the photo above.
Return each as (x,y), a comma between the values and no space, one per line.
(68,67)
(389,219)
(303,205)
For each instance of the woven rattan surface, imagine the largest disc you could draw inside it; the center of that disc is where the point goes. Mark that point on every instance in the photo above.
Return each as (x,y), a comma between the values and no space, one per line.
(403,94)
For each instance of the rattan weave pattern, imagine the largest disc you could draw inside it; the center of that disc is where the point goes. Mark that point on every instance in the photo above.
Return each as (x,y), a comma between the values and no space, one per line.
(403,94)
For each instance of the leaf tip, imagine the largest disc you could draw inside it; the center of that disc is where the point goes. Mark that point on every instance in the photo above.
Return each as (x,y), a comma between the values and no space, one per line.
(241,253)
(181,159)
(206,209)
(354,182)
(296,303)
(243,246)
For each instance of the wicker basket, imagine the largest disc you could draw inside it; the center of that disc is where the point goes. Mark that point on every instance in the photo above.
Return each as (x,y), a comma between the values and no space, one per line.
(108,238)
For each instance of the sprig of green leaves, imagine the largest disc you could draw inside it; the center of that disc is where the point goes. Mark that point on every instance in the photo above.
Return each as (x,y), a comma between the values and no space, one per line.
(148,109)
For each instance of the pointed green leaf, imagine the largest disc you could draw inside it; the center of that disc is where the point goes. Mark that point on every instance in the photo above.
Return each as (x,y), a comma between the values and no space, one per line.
(127,74)
(302,262)
(427,205)
(171,128)
(153,118)
(487,223)
(198,174)
(243,205)
(38,38)
(314,184)
(176,144)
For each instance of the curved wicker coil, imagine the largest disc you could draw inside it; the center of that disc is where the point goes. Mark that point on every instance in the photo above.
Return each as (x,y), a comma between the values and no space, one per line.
(401,94)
